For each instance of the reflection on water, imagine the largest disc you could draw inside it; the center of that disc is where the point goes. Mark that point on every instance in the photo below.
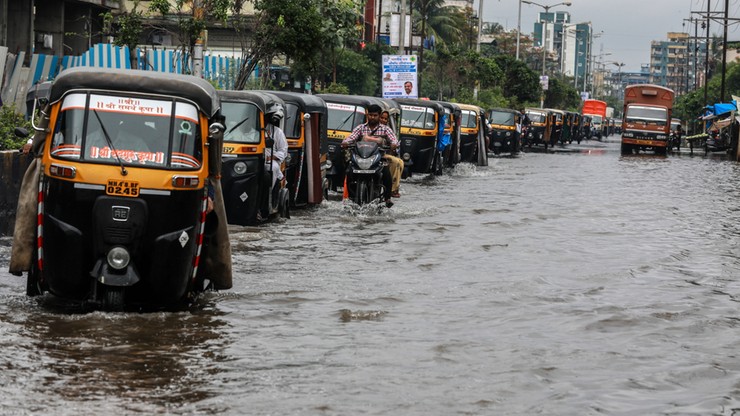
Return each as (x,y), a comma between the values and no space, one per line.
(580,282)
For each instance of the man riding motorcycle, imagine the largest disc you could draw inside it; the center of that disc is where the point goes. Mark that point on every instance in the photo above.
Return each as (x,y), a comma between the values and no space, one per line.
(375,132)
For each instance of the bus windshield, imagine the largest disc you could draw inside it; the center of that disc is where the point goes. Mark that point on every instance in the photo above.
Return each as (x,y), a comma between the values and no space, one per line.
(657,116)
(136,131)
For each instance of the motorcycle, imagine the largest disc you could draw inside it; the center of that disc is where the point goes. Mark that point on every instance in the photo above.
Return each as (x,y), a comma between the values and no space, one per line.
(674,140)
(365,173)
(717,142)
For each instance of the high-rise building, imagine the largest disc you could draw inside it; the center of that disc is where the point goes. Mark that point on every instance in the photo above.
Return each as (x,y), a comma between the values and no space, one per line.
(672,64)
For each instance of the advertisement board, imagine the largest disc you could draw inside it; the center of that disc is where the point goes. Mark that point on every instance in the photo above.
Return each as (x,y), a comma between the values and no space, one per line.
(399,76)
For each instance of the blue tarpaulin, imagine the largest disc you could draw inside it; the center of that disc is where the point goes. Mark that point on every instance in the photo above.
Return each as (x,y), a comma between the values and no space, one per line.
(719,109)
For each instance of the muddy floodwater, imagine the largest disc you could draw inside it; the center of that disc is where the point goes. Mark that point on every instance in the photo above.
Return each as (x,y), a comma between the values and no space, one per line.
(579,282)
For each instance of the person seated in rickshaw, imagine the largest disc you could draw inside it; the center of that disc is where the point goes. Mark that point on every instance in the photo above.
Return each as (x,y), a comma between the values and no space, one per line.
(374,131)
(275,155)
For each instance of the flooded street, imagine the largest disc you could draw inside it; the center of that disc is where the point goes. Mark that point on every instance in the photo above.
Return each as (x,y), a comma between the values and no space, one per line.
(570,283)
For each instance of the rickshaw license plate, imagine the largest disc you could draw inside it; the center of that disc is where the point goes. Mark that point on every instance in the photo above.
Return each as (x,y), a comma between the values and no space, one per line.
(122,188)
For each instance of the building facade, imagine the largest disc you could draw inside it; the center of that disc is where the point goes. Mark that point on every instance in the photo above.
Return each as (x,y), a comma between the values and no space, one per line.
(675,63)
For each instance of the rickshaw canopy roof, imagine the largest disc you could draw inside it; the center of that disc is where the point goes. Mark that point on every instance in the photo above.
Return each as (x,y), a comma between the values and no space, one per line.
(506,110)
(471,107)
(188,87)
(261,99)
(308,103)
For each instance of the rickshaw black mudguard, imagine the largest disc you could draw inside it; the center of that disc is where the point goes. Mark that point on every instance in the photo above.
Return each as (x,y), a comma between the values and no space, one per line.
(79,228)
(421,150)
(537,131)
(241,211)
(499,136)
(468,147)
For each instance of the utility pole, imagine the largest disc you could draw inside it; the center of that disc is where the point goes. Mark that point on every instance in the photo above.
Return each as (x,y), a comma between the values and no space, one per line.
(198,47)
(477,44)
(724,53)
(402,30)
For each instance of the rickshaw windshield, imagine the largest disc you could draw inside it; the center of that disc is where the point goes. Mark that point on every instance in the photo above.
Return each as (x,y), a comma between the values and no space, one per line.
(138,131)
(242,122)
(536,117)
(344,117)
(469,119)
(502,117)
(648,115)
(417,117)
(292,128)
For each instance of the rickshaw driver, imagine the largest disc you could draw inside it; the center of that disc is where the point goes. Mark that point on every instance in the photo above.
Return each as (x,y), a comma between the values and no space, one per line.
(395,164)
(373,131)
(274,156)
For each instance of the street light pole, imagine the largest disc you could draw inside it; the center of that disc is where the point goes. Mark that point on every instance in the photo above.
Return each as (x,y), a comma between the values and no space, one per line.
(544,36)
(518,29)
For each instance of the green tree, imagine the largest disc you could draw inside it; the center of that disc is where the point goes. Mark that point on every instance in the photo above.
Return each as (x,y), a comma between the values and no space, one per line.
(190,20)
(519,82)
(353,70)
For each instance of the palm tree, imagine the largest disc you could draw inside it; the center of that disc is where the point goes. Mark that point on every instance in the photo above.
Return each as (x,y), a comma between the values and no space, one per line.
(436,19)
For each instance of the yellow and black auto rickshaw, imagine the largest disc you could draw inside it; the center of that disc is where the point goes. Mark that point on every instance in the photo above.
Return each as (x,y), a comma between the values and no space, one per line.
(422,133)
(305,128)
(559,124)
(505,138)
(247,178)
(114,211)
(473,135)
(540,127)
(345,113)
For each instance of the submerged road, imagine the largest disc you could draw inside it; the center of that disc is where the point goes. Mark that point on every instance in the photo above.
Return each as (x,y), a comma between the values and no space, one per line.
(569,283)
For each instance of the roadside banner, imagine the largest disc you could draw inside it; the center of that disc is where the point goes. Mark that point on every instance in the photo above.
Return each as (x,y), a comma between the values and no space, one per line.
(400,77)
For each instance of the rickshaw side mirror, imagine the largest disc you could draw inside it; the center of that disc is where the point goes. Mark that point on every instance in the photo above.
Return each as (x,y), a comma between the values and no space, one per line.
(215,140)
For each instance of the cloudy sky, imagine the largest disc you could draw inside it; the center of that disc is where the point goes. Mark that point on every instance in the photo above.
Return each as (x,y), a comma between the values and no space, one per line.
(628,25)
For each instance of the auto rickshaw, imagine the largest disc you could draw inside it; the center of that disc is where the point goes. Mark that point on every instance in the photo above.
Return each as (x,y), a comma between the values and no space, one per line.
(345,113)
(421,131)
(540,128)
(504,135)
(114,211)
(587,131)
(558,126)
(248,194)
(305,128)
(473,135)
(453,114)
(576,131)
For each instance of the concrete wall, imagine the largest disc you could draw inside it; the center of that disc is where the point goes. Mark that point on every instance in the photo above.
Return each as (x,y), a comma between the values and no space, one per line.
(12,167)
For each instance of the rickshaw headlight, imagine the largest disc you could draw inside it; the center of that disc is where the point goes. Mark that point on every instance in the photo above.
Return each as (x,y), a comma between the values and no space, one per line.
(118,258)
(406,157)
(240,168)
(328,164)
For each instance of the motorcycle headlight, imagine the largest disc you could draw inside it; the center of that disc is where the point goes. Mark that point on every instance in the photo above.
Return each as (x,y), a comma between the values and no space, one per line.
(366,162)
(240,168)
(118,258)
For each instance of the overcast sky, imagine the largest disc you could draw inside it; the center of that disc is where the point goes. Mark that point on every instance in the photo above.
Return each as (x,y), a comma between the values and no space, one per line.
(628,25)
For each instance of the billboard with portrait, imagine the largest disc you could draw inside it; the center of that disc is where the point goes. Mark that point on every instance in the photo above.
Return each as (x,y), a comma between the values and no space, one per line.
(399,76)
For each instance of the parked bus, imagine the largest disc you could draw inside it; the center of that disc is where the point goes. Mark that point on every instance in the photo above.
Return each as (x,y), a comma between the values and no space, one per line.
(646,118)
